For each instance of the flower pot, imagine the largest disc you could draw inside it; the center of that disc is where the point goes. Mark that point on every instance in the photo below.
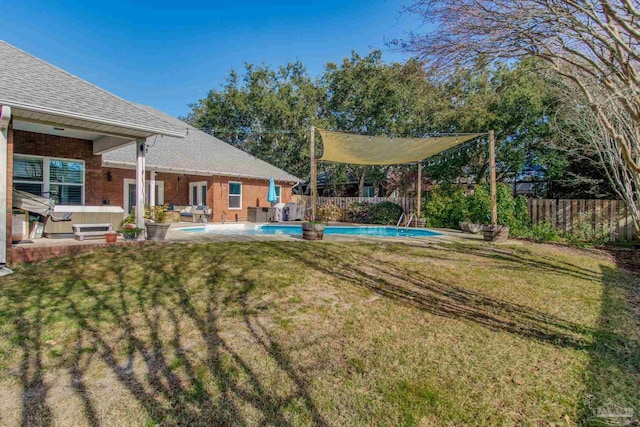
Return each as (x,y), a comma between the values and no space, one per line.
(111,237)
(474,228)
(156,231)
(312,231)
(421,223)
(498,234)
(129,237)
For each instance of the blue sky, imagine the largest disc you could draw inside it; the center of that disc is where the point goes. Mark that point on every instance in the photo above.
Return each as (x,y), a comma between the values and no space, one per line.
(169,54)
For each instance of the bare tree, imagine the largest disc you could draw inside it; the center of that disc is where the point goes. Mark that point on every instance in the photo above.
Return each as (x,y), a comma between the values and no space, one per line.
(594,45)
(579,120)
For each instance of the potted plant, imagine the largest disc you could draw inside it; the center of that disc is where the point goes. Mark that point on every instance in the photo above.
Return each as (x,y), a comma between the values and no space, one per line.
(312,230)
(495,233)
(155,223)
(111,237)
(130,232)
(128,228)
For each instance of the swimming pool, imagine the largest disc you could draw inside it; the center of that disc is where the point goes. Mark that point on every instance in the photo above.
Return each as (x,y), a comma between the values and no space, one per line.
(296,230)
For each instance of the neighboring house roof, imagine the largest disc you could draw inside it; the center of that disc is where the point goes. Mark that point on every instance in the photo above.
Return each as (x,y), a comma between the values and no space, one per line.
(198,153)
(37,90)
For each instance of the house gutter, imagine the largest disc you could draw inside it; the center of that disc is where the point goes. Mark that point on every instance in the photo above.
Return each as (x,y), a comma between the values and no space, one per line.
(149,129)
(126,165)
(5,118)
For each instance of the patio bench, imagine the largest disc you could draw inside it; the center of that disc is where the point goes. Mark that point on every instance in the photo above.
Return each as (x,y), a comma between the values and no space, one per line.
(90,231)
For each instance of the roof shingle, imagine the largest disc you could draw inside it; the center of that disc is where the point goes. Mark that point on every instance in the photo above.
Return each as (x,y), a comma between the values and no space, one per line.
(198,151)
(32,84)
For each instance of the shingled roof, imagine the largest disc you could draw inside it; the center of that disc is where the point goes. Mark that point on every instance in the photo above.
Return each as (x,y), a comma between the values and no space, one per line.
(36,89)
(198,153)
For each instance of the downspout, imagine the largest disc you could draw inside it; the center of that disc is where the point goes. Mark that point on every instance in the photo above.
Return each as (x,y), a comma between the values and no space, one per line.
(5,118)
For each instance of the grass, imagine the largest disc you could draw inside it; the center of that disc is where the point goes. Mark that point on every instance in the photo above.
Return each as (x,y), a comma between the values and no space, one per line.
(295,333)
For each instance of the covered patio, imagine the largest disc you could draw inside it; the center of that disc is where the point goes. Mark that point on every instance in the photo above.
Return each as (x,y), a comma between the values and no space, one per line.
(52,121)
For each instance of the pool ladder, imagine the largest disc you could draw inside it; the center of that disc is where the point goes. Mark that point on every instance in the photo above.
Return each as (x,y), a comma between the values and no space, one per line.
(406,226)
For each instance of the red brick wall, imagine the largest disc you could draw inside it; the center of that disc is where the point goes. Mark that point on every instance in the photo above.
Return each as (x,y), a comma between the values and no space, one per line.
(176,186)
(9,190)
(39,144)
(254,193)
(176,191)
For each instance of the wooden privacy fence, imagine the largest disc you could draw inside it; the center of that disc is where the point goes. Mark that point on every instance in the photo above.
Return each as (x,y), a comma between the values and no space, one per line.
(605,216)
(610,216)
(407,203)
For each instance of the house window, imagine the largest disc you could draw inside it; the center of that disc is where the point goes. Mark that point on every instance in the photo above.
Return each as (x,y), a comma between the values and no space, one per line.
(235,195)
(368,191)
(60,179)
(278,194)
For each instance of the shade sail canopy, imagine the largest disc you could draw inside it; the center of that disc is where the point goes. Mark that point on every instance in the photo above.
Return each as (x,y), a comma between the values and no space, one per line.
(341,147)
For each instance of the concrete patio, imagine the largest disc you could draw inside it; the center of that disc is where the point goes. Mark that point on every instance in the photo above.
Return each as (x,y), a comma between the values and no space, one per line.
(43,249)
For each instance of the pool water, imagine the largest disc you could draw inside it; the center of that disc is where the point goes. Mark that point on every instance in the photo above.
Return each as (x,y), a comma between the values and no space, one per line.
(296,230)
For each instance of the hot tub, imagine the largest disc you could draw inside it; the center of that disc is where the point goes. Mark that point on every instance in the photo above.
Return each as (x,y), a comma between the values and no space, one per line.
(82,215)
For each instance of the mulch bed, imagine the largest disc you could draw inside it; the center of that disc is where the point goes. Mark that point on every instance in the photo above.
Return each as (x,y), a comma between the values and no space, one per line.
(627,258)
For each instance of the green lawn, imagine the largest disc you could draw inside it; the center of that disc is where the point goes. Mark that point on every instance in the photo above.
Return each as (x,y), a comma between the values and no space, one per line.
(295,333)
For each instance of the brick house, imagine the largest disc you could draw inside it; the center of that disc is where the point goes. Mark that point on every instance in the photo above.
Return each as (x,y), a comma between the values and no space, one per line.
(198,169)
(67,139)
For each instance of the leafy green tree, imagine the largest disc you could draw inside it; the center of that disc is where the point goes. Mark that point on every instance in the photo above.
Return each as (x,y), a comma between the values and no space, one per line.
(266,112)
(514,101)
(371,97)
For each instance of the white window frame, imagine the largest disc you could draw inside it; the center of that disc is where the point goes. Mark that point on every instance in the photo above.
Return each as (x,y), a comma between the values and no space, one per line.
(279,193)
(46,177)
(235,195)
(373,190)
(129,181)
(199,185)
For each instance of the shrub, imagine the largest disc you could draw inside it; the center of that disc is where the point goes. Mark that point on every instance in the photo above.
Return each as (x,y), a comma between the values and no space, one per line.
(331,212)
(157,213)
(544,232)
(384,213)
(582,232)
(521,216)
(479,205)
(445,207)
(358,212)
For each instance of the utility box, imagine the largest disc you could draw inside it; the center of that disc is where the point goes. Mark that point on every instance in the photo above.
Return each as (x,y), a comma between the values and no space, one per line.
(261,214)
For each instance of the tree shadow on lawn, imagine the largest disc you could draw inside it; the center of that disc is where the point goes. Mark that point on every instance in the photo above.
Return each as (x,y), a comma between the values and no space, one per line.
(613,374)
(124,325)
(445,299)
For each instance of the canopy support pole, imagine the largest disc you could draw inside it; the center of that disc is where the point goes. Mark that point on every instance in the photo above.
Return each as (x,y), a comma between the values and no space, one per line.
(492,179)
(419,189)
(314,178)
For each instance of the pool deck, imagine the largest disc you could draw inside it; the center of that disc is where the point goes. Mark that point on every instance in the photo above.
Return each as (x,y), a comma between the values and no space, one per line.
(43,249)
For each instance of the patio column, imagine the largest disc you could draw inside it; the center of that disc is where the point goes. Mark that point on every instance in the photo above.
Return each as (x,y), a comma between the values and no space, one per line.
(5,117)
(140,185)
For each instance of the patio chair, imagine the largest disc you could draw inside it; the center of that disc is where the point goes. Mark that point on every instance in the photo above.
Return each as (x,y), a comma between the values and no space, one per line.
(202,214)
(195,214)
